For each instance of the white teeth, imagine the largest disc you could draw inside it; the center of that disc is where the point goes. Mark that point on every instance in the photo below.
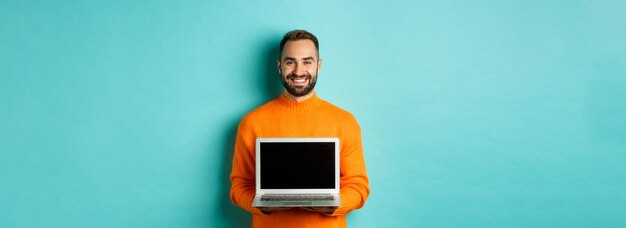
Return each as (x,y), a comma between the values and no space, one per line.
(299,80)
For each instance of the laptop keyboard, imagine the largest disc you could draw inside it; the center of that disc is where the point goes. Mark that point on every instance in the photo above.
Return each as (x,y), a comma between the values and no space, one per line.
(296,197)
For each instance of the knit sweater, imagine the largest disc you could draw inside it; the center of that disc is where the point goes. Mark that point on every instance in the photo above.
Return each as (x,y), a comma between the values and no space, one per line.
(312,117)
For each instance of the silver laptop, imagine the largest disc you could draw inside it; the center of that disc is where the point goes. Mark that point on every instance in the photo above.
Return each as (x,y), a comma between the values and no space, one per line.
(297,172)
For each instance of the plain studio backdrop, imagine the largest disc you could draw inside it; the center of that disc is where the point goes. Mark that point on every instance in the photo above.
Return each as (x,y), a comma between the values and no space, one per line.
(474,113)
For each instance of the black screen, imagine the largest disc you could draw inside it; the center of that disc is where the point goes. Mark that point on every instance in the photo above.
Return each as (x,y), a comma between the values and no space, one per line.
(297,165)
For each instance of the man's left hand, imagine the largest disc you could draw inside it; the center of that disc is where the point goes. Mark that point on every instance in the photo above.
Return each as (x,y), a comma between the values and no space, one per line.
(323,210)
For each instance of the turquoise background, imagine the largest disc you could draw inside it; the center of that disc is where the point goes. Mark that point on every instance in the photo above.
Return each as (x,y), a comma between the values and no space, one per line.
(474,113)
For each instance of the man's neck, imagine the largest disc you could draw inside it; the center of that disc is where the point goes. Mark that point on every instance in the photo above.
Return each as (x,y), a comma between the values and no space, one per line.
(298,99)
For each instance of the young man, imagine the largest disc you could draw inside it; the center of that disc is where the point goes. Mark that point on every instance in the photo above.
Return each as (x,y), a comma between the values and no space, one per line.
(298,112)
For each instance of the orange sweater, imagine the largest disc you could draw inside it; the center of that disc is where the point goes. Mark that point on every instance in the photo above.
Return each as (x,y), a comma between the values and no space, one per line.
(313,117)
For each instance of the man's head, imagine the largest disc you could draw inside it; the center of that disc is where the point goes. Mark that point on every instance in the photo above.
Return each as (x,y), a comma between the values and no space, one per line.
(299,62)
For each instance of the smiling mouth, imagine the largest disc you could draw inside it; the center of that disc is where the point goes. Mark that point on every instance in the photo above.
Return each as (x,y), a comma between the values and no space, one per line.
(300,81)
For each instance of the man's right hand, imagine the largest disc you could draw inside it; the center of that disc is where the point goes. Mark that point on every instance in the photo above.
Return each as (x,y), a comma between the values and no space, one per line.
(269,210)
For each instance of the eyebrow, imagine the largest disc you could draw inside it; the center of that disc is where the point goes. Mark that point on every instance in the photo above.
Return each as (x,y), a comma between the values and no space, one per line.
(294,59)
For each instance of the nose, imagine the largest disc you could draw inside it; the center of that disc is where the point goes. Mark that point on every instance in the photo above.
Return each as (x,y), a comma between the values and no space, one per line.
(299,70)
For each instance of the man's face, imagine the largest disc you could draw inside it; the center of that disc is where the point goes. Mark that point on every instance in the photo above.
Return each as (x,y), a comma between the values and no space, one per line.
(298,67)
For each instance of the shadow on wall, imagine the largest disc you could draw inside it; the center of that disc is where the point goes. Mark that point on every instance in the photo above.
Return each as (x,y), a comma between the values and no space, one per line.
(271,87)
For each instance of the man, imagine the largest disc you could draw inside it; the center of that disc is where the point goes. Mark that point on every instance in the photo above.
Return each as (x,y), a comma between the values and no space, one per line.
(298,112)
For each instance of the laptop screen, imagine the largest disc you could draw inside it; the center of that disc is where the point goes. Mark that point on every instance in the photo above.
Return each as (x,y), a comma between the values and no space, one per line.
(297,165)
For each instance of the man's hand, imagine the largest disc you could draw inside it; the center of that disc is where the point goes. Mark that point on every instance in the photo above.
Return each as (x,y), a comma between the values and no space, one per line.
(269,210)
(323,210)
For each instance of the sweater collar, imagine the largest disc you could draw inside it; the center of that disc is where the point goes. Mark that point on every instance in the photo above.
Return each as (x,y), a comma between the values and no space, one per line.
(305,105)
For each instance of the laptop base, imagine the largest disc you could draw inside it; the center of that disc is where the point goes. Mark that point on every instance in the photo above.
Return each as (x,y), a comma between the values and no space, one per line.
(317,203)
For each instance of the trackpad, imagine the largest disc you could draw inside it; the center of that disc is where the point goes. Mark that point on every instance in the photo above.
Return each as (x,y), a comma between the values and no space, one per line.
(296,203)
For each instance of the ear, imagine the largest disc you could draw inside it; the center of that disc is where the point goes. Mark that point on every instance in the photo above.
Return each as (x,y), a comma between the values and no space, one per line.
(278,65)
(319,65)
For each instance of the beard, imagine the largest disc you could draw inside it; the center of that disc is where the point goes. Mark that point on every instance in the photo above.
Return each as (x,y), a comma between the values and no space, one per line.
(299,91)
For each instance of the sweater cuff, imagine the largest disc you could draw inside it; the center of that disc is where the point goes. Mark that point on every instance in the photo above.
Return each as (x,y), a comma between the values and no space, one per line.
(254,210)
(339,211)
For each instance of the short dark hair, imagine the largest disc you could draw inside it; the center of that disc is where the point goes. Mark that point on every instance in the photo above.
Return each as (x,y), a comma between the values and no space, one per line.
(294,35)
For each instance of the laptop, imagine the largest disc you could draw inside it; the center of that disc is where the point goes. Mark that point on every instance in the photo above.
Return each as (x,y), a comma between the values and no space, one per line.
(297,172)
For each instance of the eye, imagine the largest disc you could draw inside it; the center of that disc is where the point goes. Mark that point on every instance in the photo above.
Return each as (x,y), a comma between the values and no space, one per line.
(288,63)
(307,62)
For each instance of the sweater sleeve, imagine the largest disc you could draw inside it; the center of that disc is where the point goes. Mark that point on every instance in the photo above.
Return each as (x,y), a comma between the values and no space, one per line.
(242,176)
(354,181)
